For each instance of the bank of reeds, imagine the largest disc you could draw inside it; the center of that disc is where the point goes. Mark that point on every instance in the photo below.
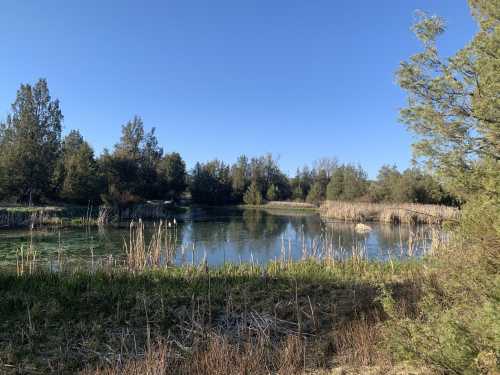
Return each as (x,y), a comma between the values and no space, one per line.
(407,213)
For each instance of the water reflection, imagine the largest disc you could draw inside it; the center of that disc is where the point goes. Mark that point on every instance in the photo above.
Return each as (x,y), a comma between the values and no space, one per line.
(231,235)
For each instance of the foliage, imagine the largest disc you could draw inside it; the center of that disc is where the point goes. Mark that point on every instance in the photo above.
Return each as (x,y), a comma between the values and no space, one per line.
(456,323)
(30,144)
(131,171)
(453,104)
(172,176)
(454,108)
(347,183)
(253,195)
(211,183)
(272,193)
(317,193)
(412,185)
(41,167)
(81,180)
(240,178)
(301,184)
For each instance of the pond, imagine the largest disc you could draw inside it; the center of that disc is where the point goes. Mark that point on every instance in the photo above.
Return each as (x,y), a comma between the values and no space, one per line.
(229,236)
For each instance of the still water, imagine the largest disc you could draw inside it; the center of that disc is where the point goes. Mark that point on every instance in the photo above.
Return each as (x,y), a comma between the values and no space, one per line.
(229,236)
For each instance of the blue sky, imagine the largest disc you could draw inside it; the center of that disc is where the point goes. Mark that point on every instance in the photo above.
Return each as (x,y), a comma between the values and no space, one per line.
(301,79)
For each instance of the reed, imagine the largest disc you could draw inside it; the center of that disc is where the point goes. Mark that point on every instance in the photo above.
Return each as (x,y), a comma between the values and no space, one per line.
(158,252)
(407,213)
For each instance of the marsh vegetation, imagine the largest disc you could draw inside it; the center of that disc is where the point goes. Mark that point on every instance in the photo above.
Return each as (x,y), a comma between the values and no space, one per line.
(317,298)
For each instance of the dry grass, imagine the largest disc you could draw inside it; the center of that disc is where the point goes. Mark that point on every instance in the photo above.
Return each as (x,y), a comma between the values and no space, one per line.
(217,356)
(158,252)
(408,213)
(290,205)
(357,342)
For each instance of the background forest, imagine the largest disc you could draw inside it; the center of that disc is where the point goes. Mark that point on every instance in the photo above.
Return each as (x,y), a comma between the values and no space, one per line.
(39,166)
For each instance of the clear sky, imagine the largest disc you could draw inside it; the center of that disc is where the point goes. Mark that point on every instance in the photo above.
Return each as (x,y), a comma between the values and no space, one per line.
(301,79)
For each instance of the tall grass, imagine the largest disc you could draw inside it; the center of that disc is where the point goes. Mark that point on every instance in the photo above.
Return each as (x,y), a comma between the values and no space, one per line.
(158,252)
(408,213)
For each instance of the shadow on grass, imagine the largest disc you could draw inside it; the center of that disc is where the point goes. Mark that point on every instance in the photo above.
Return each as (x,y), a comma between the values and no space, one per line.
(65,322)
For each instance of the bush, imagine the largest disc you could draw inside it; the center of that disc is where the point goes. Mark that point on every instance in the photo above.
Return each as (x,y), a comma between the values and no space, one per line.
(457,323)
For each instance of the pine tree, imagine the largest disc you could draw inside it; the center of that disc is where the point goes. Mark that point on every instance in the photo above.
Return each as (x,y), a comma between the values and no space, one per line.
(30,144)
(253,195)
(81,180)
(172,176)
(272,193)
(335,187)
(453,104)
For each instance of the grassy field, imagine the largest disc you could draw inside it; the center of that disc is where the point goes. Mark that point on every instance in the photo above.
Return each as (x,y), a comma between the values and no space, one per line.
(290,316)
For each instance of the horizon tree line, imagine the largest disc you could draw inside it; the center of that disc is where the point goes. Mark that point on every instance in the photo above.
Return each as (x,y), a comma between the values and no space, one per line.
(38,165)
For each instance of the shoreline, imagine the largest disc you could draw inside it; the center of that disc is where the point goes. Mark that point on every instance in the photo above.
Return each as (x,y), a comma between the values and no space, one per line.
(12,217)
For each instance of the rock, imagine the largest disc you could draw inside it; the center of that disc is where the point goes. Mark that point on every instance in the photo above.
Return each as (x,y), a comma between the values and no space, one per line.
(362,228)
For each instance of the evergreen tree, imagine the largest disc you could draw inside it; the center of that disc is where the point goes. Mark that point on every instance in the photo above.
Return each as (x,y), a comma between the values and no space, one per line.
(30,144)
(272,193)
(355,183)
(347,183)
(317,193)
(453,104)
(301,184)
(211,183)
(81,181)
(240,178)
(335,187)
(172,176)
(131,170)
(388,179)
(253,195)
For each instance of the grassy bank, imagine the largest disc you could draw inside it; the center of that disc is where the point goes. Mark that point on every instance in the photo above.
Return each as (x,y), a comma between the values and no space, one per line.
(23,216)
(286,316)
(408,213)
(283,205)
(67,216)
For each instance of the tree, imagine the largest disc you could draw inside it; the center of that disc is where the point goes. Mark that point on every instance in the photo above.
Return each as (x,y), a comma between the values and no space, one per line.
(253,195)
(30,144)
(81,182)
(240,178)
(355,183)
(131,140)
(336,185)
(211,183)
(317,193)
(382,190)
(272,193)
(453,104)
(172,176)
(347,183)
(326,166)
(150,157)
(301,184)
(454,108)
(413,185)
(131,170)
